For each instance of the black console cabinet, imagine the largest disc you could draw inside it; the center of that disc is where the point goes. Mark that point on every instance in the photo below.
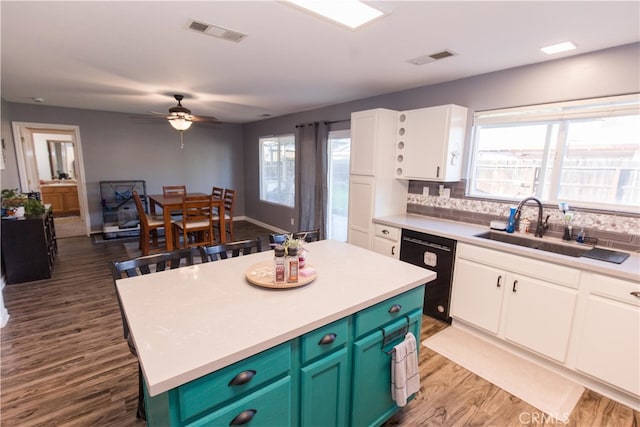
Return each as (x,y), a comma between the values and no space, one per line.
(29,248)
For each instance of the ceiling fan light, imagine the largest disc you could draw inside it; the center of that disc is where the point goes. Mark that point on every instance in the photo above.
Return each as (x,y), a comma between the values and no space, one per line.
(180,123)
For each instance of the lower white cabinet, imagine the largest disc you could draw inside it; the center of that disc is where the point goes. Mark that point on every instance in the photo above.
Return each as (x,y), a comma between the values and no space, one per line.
(387,240)
(521,300)
(477,294)
(609,342)
(361,200)
(540,315)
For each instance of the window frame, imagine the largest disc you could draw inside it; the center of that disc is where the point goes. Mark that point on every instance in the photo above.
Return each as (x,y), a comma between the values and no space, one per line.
(561,115)
(282,139)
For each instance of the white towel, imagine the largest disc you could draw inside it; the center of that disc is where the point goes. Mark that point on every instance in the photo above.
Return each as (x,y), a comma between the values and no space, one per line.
(405,376)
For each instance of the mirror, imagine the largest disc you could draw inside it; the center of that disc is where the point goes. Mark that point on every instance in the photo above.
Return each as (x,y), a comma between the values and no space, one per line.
(61,159)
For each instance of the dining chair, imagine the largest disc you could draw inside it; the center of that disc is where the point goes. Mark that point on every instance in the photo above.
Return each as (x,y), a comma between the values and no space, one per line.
(229,250)
(307,236)
(136,267)
(174,190)
(229,199)
(217,192)
(196,225)
(149,226)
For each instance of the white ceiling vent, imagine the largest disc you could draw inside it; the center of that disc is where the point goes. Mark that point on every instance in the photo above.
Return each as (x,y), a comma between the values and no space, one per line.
(214,31)
(425,59)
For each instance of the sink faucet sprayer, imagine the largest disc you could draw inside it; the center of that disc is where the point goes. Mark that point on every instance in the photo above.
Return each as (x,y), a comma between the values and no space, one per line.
(541,227)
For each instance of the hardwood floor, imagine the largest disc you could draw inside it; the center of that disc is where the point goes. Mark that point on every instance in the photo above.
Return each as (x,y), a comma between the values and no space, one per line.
(64,361)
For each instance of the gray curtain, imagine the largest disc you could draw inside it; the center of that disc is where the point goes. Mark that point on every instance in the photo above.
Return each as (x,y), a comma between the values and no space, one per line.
(312,157)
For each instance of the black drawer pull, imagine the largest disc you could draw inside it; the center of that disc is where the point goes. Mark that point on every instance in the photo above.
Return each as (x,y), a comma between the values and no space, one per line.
(327,339)
(515,283)
(243,417)
(635,294)
(499,279)
(242,378)
(395,308)
(385,231)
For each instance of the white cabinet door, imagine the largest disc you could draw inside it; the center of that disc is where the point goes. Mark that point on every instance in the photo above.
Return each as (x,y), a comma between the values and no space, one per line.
(364,126)
(609,345)
(477,294)
(361,199)
(386,247)
(540,315)
(430,142)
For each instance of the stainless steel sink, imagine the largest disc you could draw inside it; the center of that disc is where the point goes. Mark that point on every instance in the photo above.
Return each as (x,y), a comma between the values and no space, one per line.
(535,243)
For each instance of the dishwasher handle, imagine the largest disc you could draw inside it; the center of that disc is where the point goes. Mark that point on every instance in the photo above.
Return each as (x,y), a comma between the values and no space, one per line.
(427,244)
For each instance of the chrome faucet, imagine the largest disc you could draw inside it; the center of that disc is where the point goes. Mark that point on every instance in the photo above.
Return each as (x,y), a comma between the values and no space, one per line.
(541,227)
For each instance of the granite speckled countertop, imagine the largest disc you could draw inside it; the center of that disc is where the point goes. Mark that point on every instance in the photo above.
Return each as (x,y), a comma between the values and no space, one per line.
(462,232)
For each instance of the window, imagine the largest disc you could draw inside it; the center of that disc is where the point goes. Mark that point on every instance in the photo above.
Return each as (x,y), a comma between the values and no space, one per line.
(278,169)
(585,152)
(339,153)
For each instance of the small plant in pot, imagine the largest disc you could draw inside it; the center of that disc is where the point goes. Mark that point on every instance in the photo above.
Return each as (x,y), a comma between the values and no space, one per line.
(17,205)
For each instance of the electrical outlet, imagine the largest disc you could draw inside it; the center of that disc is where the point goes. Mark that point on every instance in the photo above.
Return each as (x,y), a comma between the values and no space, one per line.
(292,221)
(447,193)
(425,191)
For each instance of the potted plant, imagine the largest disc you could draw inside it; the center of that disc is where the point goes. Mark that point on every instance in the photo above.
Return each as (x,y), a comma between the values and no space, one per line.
(17,204)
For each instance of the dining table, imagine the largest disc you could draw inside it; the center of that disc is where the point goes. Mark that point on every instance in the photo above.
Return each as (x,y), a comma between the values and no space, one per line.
(172,203)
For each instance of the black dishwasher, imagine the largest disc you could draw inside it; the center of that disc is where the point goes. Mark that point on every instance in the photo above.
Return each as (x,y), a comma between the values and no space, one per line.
(437,254)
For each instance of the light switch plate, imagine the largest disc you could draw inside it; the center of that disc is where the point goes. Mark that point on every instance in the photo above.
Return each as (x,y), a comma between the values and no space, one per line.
(425,191)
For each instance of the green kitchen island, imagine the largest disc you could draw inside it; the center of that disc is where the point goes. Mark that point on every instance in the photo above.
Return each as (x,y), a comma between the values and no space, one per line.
(217,350)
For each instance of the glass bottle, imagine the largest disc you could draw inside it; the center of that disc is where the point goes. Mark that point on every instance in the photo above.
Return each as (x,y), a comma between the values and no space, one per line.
(292,264)
(279,265)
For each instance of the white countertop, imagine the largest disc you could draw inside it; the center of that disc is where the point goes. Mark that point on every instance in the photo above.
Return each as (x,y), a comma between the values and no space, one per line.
(629,269)
(191,321)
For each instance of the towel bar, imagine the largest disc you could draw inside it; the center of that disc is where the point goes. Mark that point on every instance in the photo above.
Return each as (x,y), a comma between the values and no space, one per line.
(386,339)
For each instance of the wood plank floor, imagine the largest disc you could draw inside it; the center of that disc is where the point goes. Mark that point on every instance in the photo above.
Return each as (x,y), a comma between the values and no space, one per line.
(64,362)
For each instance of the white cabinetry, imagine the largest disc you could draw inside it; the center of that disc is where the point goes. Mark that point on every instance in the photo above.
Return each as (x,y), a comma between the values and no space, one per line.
(477,294)
(372,189)
(387,240)
(527,302)
(609,340)
(430,142)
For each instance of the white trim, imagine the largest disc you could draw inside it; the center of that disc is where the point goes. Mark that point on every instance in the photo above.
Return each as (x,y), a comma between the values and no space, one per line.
(19,127)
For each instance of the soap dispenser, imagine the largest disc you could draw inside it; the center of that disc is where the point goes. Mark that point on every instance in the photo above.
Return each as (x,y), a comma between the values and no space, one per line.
(511,225)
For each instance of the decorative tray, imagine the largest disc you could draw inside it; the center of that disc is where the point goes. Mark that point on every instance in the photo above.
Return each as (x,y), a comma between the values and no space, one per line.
(261,274)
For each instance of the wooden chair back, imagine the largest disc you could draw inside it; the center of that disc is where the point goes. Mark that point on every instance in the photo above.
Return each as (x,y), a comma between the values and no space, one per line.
(149,226)
(174,190)
(229,202)
(196,224)
(217,192)
(142,213)
(232,249)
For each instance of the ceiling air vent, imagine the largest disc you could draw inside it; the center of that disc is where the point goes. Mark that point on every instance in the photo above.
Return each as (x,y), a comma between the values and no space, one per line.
(425,59)
(215,31)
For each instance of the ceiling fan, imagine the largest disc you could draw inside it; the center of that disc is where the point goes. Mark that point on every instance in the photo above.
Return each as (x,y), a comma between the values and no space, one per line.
(181,119)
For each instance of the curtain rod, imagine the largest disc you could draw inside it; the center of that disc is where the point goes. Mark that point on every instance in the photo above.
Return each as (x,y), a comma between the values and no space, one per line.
(337,121)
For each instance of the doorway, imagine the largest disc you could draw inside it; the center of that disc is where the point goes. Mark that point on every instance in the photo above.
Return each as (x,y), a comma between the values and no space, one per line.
(339,154)
(50,162)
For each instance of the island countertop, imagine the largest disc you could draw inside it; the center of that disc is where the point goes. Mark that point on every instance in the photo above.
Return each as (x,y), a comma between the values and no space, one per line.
(191,321)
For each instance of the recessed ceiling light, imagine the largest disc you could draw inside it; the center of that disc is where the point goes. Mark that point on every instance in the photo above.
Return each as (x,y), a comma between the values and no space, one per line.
(352,13)
(557,48)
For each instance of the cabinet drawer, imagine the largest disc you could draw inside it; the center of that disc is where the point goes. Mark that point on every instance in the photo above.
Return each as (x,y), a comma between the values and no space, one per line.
(388,311)
(270,406)
(387,232)
(617,289)
(324,340)
(211,390)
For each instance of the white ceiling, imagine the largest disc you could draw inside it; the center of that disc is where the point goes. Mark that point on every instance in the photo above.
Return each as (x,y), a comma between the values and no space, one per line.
(131,56)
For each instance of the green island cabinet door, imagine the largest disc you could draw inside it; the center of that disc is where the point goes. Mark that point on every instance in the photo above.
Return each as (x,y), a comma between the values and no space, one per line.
(325,385)
(372,403)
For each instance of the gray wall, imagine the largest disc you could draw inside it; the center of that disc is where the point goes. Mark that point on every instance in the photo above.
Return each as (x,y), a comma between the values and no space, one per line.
(116,146)
(612,71)
(9,175)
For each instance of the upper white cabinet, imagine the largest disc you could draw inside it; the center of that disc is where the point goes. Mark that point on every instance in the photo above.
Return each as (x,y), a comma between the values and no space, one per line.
(430,142)
(373,191)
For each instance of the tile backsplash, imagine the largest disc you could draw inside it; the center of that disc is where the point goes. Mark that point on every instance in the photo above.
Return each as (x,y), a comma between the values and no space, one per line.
(612,229)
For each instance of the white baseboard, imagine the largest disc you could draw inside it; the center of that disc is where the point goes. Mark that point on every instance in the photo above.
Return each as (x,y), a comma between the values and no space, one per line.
(261,224)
